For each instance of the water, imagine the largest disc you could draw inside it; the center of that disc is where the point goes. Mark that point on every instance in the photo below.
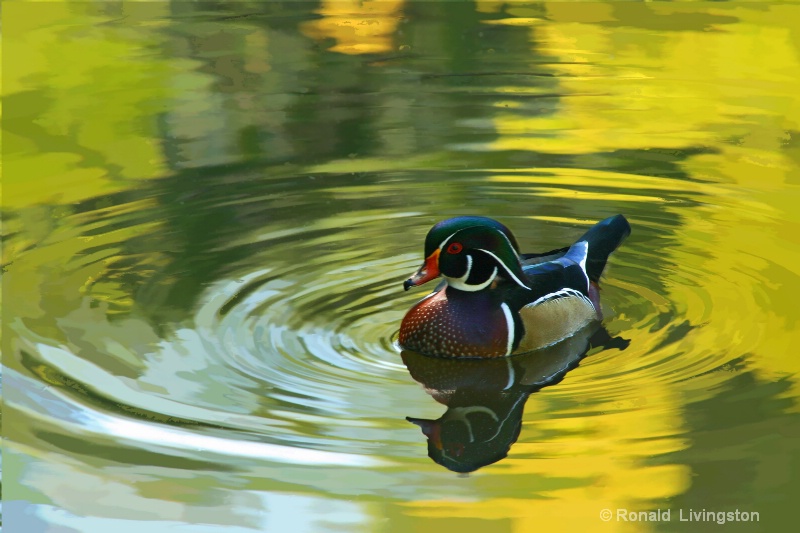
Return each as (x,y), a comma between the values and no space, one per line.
(209,212)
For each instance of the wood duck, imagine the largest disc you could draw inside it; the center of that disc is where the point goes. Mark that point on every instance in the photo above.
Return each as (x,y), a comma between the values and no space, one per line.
(495,301)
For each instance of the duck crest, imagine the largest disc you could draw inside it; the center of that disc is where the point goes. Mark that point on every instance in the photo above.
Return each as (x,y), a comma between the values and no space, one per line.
(459,324)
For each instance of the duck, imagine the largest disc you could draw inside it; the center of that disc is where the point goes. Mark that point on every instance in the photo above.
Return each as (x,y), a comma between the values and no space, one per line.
(494,301)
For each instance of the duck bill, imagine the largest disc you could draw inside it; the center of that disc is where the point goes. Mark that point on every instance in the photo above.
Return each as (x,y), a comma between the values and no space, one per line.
(428,271)
(430,428)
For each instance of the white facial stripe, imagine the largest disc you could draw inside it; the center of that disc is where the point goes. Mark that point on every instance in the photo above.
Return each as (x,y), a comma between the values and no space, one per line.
(441,246)
(461,282)
(509,328)
(510,274)
(463,279)
(462,285)
(507,239)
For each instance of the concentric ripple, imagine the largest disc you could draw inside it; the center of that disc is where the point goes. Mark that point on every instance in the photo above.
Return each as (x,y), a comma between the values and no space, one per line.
(291,343)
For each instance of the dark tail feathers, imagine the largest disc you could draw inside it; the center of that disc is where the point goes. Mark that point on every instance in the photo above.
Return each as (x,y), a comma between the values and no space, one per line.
(603,238)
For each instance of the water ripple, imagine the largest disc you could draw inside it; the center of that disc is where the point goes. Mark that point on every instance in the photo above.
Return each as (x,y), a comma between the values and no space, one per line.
(294,345)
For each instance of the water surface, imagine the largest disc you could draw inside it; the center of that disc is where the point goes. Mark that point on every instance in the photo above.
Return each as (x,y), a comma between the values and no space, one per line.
(209,211)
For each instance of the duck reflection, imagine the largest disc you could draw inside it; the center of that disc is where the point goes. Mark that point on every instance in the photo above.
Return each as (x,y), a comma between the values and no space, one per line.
(485,398)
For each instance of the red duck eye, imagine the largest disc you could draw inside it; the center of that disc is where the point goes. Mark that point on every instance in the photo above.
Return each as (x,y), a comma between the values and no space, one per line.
(454,248)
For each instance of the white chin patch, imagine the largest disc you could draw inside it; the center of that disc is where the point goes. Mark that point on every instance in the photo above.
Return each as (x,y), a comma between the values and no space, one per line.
(462,285)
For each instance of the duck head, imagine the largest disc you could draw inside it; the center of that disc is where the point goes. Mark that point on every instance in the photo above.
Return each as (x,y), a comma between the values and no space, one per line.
(469,253)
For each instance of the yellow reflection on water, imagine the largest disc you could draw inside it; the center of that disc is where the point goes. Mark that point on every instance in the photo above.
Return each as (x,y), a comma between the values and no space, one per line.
(358,27)
(92,129)
(626,86)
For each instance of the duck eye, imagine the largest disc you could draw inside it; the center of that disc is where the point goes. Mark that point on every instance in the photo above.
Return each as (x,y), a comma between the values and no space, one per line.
(454,248)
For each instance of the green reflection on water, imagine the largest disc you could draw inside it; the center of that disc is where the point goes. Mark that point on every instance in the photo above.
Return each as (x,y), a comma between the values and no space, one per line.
(210,209)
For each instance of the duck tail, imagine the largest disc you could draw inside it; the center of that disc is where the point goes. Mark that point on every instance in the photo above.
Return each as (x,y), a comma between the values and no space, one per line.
(603,238)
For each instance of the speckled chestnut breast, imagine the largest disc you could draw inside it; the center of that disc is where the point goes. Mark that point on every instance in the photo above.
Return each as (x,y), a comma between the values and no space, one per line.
(452,323)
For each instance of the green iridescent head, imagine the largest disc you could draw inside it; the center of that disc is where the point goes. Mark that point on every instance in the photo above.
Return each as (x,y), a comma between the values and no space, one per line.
(470,252)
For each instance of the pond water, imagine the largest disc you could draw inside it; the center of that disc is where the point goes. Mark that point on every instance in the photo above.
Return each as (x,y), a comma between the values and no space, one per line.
(209,211)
